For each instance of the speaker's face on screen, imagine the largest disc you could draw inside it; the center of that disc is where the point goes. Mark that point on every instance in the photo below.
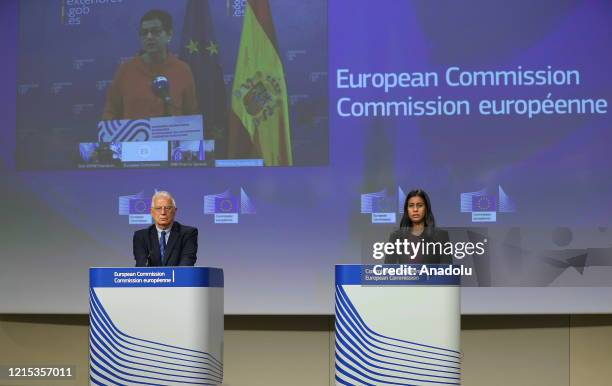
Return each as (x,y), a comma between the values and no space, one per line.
(163,212)
(416,209)
(153,36)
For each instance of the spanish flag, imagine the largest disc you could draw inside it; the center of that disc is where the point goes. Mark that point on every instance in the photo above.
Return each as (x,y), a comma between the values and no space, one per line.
(259,120)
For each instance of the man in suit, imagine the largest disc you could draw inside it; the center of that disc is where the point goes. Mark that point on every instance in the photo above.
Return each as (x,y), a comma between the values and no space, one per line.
(166,242)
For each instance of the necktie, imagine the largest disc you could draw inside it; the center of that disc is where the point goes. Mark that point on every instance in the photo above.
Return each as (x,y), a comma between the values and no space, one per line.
(162,246)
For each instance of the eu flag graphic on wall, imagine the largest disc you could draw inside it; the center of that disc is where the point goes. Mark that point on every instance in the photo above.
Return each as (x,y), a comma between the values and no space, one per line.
(226,204)
(484,203)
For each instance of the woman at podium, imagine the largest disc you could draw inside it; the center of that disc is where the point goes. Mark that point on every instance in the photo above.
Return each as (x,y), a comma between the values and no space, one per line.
(418,228)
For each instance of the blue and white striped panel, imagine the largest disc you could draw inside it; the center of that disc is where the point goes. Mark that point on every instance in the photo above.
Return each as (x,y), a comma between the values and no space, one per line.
(124,130)
(506,205)
(364,357)
(367,200)
(246,205)
(119,359)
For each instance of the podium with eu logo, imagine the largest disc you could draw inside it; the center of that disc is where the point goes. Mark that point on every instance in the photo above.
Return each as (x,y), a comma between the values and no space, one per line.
(397,325)
(161,326)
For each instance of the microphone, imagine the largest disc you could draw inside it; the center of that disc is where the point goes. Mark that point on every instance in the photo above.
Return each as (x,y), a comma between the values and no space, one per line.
(161,88)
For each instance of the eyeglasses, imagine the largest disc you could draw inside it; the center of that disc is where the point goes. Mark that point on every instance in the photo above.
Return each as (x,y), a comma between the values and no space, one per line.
(160,208)
(155,32)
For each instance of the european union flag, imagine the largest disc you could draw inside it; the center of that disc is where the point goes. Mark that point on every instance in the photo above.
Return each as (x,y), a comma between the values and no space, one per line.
(140,206)
(200,50)
(484,203)
(226,204)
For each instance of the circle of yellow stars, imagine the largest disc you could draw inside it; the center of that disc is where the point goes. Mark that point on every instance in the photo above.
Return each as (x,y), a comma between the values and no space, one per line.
(483,203)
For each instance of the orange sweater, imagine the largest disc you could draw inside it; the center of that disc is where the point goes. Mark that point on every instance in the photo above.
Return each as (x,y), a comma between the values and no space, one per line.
(131,96)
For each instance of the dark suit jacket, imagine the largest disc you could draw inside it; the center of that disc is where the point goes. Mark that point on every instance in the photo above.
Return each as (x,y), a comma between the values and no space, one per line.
(437,235)
(181,248)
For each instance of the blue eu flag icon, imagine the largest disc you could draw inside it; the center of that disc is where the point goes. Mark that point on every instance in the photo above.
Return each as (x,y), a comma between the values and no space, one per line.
(226,204)
(140,206)
(484,203)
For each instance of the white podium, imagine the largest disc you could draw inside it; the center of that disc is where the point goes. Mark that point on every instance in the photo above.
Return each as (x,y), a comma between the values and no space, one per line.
(399,328)
(156,326)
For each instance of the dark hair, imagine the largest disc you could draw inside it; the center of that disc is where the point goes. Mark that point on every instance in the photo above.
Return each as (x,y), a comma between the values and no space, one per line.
(430,221)
(158,14)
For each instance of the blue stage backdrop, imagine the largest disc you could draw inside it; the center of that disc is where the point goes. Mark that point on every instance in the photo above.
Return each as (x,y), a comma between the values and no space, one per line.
(498,109)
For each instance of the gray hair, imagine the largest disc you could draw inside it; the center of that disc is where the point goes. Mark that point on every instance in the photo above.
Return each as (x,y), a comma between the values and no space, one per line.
(162,193)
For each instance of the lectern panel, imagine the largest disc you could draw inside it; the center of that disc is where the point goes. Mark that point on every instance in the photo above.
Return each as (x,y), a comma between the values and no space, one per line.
(397,329)
(160,326)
